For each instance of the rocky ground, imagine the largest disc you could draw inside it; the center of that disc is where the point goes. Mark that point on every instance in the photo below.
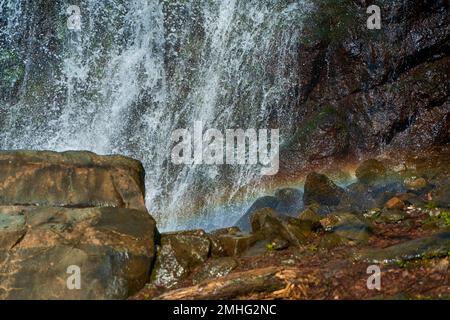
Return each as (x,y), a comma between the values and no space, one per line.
(395,217)
(78,209)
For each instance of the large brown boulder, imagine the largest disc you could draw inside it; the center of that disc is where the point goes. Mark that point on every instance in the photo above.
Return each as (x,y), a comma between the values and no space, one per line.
(113,250)
(73,225)
(71,179)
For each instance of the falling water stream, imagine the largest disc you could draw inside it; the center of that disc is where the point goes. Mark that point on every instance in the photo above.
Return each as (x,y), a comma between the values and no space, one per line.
(139,69)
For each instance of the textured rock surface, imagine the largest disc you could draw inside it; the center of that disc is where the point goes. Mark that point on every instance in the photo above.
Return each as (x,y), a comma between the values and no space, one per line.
(235,244)
(268,202)
(428,247)
(441,196)
(59,210)
(381,90)
(366,196)
(311,214)
(273,226)
(370,171)
(290,201)
(215,268)
(287,201)
(321,190)
(71,179)
(114,249)
(347,226)
(179,253)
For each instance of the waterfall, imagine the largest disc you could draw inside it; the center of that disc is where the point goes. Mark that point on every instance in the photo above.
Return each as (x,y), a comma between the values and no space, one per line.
(140,69)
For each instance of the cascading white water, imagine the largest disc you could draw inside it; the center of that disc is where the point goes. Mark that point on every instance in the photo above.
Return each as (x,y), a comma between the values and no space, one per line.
(140,69)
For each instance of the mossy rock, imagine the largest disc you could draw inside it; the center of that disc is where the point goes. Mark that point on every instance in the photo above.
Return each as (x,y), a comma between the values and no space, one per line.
(436,245)
(347,226)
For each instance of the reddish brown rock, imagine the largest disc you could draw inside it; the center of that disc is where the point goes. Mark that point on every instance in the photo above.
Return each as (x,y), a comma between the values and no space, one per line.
(395,204)
(235,244)
(363,91)
(73,213)
(113,249)
(71,179)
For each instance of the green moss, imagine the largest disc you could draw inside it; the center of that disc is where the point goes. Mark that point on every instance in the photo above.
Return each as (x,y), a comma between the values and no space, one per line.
(425,261)
(440,220)
(13,69)
(327,116)
(312,123)
(445,216)
(331,21)
(431,205)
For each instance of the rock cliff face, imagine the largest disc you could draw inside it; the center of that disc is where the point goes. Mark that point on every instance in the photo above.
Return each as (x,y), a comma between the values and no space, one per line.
(366,91)
(73,210)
